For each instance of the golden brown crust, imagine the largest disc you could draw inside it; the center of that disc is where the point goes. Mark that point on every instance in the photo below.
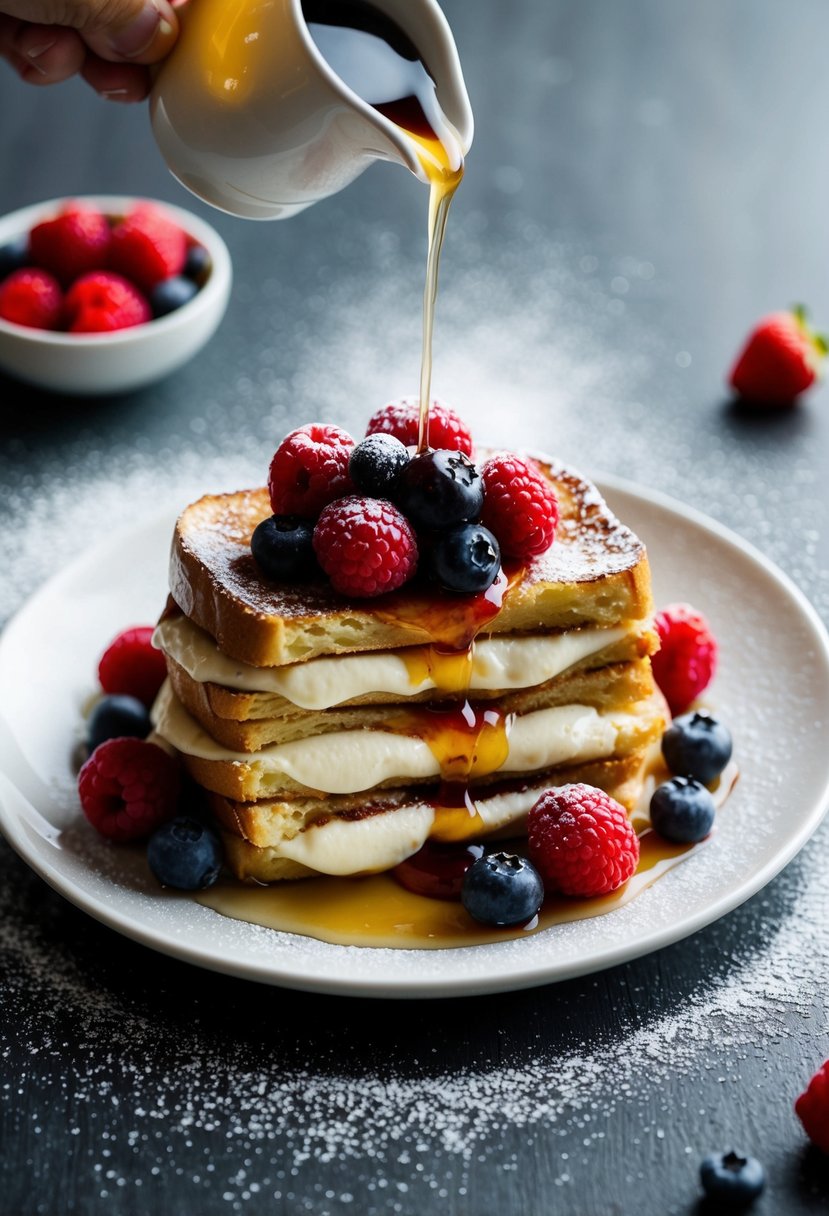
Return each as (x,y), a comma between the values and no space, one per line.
(596,572)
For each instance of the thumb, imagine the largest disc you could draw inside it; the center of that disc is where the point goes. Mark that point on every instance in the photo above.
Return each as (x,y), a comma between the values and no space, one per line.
(142,31)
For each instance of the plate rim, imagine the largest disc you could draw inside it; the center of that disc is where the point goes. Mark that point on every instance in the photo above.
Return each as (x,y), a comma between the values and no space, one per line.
(520,976)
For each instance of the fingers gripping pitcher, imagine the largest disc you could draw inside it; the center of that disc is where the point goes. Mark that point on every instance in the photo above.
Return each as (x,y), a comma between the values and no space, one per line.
(267,106)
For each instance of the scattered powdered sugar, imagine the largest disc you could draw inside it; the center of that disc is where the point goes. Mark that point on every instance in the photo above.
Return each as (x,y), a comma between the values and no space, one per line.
(325,1105)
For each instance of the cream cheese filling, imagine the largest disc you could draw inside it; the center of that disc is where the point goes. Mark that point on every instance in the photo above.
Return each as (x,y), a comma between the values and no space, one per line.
(496,664)
(346,762)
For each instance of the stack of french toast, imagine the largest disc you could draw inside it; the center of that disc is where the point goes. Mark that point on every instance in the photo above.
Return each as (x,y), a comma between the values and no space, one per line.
(337,736)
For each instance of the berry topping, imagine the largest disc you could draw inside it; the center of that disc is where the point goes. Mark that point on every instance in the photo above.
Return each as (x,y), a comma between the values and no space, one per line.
(376,463)
(812,1108)
(402,419)
(185,854)
(71,244)
(732,1179)
(197,264)
(14,255)
(682,810)
(282,547)
(132,665)
(519,506)
(117,717)
(170,294)
(365,546)
(466,559)
(684,665)
(780,360)
(437,870)
(128,787)
(147,247)
(697,745)
(440,489)
(101,302)
(581,841)
(33,298)
(502,889)
(309,470)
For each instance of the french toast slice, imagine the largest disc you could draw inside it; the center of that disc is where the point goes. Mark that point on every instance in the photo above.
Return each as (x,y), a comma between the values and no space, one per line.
(349,761)
(608,687)
(275,840)
(596,572)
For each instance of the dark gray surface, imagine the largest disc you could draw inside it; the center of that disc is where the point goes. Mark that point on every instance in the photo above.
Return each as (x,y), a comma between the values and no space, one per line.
(647,179)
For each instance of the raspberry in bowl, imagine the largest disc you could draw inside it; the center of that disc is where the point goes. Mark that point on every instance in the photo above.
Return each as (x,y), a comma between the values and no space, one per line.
(107,294)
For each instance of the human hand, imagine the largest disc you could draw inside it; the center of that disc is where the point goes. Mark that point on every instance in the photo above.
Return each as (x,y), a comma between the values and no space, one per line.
(108,42)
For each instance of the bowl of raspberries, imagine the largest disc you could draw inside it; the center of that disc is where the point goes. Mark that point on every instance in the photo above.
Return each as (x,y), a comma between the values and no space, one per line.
(107,294)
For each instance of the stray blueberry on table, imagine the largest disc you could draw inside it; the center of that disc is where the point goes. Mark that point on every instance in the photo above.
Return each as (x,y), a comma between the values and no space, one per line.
(682,810)
(440,489)
(466,559)
(697,745)
(732,1179)
(282,547)
(185,854)
(170,294)
(375,464)
(502,889)
(117,717)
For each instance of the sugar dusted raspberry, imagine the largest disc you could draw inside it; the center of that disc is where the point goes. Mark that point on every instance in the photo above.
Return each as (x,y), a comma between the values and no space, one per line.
(33,298)
(520,508)
(102,302)
(309,470)
(685,663)
(581,841)
(131,665)
(74,242)
(812,1108)
(402,419)
(148,246)
(365,546)
(127,788)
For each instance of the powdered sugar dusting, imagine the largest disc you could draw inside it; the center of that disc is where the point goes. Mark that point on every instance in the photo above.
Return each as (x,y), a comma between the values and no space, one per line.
(317,1105)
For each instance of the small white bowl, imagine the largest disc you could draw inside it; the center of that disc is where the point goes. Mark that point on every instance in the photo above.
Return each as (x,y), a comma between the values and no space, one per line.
(128,358)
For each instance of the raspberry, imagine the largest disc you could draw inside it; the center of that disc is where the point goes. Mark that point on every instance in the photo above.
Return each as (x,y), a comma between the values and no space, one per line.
(309,470)
(101,302)
(74,242)
(31,297)
(812,1108)
(687,659)
(581,841)
(147,247)
(402,419)
(365,546)
(131,665)
(520,507)
(127,788)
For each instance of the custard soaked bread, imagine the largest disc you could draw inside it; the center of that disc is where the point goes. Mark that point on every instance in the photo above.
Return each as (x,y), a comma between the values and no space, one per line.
(336,733)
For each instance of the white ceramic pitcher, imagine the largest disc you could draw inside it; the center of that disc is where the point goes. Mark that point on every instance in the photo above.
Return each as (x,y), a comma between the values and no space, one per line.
(250,117)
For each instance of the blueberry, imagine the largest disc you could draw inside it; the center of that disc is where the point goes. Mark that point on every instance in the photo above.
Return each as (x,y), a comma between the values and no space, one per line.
(281,546)
(682,810)
(440,489)
(170,294)
(697,745)
(14,255)
(732,1178)
(375,464)
(185,854)
(197,264)
(502,889)
(466,559)
(117,717)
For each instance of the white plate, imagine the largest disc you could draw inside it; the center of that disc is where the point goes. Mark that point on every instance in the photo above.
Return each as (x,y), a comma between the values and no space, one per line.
(772,689)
